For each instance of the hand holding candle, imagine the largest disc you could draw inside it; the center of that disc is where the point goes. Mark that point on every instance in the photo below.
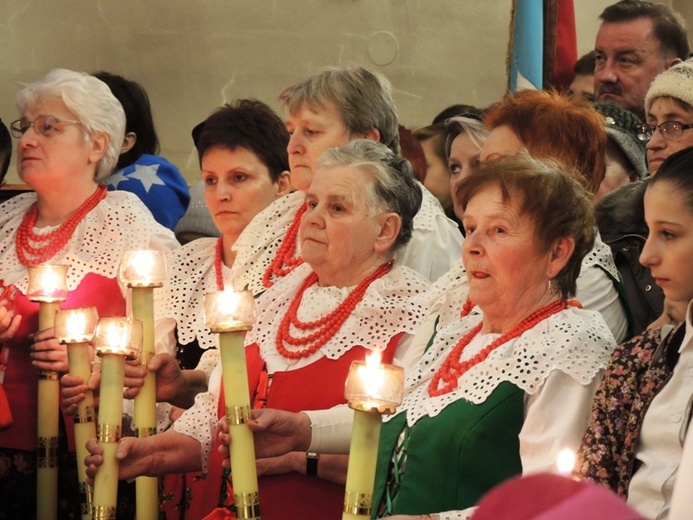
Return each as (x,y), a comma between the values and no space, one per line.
(371,388)
(75,327)
(115,340)
(142,271)
(48,286)
(231,314)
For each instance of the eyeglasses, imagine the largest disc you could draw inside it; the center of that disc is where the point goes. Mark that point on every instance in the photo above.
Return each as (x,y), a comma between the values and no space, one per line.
(669,129)
(44,125)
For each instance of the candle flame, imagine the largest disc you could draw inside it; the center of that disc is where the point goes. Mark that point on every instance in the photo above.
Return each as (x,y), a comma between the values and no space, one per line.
(228,302)
(50,281)
(565,462)
(143,263)
(372,376)
(76,323)
(117,336)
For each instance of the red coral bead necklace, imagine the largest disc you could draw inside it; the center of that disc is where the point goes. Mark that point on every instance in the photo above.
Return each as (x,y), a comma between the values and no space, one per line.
(51,243)
(446,378)
(284,262)
(327,326)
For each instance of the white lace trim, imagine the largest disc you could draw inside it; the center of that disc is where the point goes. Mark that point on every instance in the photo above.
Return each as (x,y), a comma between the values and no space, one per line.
(574,341)
(258,243)
(120,222)
(425,218)
(388,307)
(190,274)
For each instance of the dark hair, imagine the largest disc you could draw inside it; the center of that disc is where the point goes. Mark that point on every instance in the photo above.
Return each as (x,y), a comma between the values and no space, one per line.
(585,65)
(676,169)
(668,25)
(554,126)
(249,124)
(455,110)
(547,193)
(138,116)
(435,133)
(5,150)
(393,188)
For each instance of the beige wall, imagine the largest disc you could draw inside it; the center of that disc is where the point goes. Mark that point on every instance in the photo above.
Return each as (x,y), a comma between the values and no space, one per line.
(191,56)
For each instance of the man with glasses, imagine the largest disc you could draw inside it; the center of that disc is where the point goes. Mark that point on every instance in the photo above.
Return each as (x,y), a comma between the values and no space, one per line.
(620,218)
(636,41)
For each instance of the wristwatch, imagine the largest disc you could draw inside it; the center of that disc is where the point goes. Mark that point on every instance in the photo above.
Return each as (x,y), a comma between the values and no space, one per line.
(312,464)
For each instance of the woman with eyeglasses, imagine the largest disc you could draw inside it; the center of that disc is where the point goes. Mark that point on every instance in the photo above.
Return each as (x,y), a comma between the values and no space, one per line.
(642,409)
(69,138)
(669,116)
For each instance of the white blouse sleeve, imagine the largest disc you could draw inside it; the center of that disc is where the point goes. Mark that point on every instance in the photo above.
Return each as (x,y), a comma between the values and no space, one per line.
(556,418)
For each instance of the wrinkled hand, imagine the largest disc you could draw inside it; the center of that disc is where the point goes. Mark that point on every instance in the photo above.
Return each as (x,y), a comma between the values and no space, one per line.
(74,389)
(293,461)
(277,432)
(127,450)
(134,378)
(47,353)
(169,376)
(9,322)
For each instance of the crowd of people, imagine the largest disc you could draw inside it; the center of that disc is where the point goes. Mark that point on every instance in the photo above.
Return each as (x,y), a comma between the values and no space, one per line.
(531,276)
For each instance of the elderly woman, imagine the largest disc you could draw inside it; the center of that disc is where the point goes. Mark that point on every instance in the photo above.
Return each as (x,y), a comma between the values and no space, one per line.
(488,398)
(496,380)
(328,109)
(346,299)
(548,125)
(642,410)
(70,135)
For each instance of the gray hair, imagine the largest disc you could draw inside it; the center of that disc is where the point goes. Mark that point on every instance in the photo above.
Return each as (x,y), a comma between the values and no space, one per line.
(363,100)
(393,188)
(475,129)
(91,101)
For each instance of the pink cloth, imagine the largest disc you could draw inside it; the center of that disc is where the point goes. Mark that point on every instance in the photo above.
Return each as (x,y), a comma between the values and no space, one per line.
(546,496)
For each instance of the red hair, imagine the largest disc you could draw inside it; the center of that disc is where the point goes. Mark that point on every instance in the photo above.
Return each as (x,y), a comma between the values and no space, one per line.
(556,126)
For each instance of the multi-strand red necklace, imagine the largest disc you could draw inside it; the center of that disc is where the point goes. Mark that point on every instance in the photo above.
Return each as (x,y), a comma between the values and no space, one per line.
(284,261)
(327,326)
(217,264)
(453,367)
(54,241)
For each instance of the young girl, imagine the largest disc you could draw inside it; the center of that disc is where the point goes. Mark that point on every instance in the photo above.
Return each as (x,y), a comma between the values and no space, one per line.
(642,408)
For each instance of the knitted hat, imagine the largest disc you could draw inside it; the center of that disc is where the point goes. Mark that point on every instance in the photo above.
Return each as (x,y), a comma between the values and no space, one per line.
(197,218)
(620,128)
(676,82)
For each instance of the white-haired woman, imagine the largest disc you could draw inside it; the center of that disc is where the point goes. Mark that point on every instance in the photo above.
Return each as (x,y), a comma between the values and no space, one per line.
(70,133)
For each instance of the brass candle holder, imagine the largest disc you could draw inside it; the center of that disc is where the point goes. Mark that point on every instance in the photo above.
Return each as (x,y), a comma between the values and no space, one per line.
(231,314)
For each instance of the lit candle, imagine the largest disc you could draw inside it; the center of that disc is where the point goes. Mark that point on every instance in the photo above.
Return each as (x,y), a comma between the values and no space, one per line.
(565,462)
(231,314)
(48,286)
(75,328)
(115,339)
(142,271)
(372,389)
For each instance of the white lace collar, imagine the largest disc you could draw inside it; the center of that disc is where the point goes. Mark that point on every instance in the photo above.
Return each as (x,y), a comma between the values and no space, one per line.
(389,306)
(120,222)
(258,243)
(190,275)
(575,341)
